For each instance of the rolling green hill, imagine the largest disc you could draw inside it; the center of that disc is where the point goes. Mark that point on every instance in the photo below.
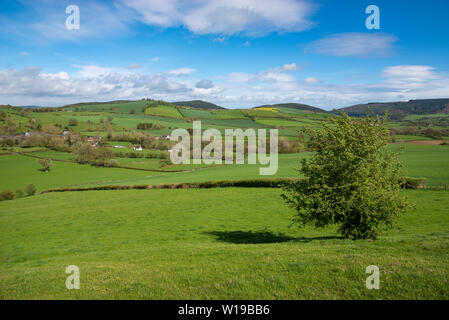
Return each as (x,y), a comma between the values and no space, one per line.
(398,110)
(200,104)
(292,106)
(123,106)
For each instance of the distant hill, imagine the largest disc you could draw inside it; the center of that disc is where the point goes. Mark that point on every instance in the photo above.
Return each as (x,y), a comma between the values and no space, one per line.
(80,104)
(200,104)
(398,110)
(298,106)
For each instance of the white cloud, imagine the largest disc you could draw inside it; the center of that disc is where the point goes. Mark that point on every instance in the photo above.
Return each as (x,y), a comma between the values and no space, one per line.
(55,76)
(237,89)
(354,45)
(24,54)
(312,80)
(401,83)
(154,59)
(93,71)
(290,67)
(411,73)
(181,71)
(273,75)
(90,83)
(219,39)
(249,17)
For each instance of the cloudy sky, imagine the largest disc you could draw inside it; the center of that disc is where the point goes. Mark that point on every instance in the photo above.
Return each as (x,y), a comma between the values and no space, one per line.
(235,53)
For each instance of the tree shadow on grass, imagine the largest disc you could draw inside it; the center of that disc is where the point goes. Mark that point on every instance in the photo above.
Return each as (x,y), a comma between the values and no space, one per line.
(258,237)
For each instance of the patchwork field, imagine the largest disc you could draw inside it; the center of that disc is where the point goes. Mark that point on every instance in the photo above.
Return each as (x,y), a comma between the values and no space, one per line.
(125,107)
(197,114)
(164,111)
(220,243)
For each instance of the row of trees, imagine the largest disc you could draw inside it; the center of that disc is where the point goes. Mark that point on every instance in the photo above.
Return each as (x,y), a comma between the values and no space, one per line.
(30,190)
(427,132)
(143,139)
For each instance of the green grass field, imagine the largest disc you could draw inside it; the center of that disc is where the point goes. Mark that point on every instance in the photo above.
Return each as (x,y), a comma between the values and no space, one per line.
(274,113)
(197,114)
(430,162)
(194,244)
(164,111)
(287,123)
(124,107)
(18,171)
(229,114)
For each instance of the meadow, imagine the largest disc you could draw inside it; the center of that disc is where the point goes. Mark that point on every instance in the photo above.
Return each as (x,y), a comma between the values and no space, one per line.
(18,171)
(195,244)
(420,161)
(164,111)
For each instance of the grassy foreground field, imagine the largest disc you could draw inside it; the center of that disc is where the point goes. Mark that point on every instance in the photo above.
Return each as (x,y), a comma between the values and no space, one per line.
(194,244)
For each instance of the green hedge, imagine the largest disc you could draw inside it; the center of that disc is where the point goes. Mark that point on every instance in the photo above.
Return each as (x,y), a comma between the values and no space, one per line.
(256,183)
(413,183)
(407,183)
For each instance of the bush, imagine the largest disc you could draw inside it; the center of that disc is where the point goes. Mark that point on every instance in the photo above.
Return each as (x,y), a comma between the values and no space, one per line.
(19,193)
(30,190)
(144,126)
(45,164)
(289,146)
(73,122)
(87,153)
(6,195)
(7,142)
(412,183)
(111,163)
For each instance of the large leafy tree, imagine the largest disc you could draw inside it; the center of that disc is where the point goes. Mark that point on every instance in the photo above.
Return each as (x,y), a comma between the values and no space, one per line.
(352,180)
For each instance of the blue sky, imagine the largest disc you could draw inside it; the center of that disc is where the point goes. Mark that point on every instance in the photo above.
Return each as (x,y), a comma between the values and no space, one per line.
(236,53)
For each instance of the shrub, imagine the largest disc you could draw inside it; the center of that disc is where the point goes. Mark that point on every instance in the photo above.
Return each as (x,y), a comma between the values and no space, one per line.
(30,190)
(7,142)
(73,122)
(87,153)
(289,146)
(51,129)
(144,126)
(412,183)
(6,195)
(111,163)
(45,164)
(351,181)
(19,193)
